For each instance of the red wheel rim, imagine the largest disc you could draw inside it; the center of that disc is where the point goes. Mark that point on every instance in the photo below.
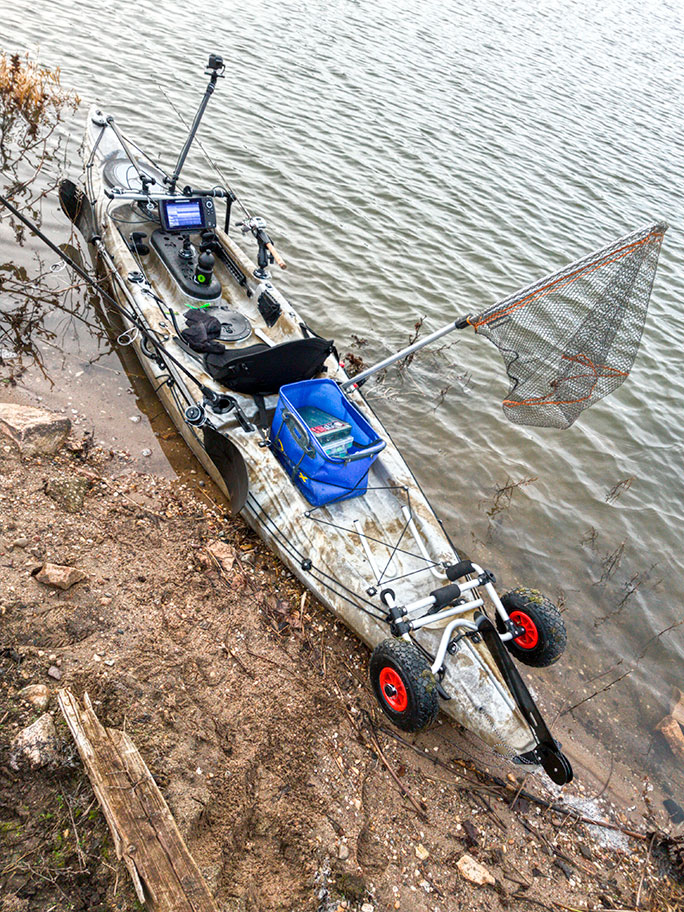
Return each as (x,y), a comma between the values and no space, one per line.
(393,690)
(530,638)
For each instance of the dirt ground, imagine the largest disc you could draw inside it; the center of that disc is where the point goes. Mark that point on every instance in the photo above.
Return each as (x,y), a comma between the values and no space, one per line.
(251,707)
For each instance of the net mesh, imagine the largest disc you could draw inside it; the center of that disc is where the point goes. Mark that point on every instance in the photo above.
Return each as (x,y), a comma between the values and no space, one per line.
(571,338)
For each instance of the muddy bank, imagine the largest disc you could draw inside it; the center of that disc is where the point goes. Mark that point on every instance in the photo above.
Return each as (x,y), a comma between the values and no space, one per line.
(250,705)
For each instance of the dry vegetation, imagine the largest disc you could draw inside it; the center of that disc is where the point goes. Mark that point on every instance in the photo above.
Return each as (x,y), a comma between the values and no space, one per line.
(32,104)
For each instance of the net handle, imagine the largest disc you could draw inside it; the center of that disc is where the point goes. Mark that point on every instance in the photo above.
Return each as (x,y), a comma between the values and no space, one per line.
(358,379)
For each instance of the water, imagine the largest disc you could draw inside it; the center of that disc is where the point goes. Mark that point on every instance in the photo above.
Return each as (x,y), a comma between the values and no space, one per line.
(424,160)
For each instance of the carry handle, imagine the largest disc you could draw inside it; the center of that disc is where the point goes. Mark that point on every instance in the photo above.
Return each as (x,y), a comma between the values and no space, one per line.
(377,446)
(299,431)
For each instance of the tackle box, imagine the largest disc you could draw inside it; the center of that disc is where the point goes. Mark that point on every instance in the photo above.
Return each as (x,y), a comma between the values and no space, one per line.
(318,471)
(333,434)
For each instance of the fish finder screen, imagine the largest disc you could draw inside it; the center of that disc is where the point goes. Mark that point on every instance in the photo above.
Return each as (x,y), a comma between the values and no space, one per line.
(183,215)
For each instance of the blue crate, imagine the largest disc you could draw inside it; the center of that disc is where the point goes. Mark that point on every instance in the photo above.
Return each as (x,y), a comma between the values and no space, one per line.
(322,479)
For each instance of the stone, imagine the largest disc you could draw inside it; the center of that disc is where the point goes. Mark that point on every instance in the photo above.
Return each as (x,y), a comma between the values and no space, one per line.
(35,746)
(343,851)
(20,543)
(677,705)
(367,907)
(37,695)
(223,554)
(54,673)
(351,886)
(188,798)
(674,811)
(68,491)
(474,871)
(60,576)
(672,732)
(34,430)
(421,852)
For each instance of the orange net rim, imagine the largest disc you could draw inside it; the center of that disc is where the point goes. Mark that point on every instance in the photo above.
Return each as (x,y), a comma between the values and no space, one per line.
(558,282)
(600,372)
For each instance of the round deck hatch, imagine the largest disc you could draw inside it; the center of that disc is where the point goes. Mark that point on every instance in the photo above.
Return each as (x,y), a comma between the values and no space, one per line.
(234,326)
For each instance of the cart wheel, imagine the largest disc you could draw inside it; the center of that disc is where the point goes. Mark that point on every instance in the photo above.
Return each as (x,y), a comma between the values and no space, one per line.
(543,642)
(405,687)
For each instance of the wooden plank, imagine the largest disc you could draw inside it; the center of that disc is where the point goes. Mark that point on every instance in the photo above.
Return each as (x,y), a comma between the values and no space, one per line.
(145,834)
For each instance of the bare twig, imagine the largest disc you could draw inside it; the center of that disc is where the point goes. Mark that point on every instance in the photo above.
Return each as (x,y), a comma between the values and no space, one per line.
(643,873)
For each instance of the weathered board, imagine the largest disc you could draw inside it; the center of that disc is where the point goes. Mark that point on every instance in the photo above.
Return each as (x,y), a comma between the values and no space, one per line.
(145,834)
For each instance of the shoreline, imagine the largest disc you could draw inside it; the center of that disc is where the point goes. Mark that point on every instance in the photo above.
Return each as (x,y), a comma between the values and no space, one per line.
(251,706)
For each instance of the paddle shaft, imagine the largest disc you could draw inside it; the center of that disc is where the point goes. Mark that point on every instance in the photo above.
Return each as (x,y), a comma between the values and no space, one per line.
(461,323)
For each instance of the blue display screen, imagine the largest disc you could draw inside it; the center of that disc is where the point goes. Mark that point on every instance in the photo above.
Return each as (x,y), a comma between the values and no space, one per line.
(184,214)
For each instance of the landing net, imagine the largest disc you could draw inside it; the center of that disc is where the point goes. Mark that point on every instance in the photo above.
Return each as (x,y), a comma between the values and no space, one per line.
(571,338)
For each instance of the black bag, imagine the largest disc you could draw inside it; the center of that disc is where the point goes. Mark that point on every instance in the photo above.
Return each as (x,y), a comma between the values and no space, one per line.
(260,370)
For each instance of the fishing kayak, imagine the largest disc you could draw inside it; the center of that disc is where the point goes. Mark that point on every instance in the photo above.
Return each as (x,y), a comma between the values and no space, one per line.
(240,373)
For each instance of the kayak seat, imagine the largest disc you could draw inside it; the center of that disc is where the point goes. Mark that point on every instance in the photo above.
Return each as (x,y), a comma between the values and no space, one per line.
(260,370)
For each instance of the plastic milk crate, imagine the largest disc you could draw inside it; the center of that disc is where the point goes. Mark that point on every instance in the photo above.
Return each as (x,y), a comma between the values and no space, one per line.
(322,478)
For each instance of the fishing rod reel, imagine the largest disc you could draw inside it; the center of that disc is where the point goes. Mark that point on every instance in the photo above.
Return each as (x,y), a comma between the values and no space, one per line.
(257,226)
(197,415)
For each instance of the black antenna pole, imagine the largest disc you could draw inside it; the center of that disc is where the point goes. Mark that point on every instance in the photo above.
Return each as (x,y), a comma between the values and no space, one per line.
(214,69)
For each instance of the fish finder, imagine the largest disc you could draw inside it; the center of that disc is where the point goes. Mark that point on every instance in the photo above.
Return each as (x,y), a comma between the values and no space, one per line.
(181,214)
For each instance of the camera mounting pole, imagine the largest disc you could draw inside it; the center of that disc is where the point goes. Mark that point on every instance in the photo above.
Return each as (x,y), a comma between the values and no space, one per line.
(214,70)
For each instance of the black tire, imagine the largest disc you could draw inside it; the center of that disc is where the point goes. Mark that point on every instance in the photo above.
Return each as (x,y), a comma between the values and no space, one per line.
(403,684)
(545,638)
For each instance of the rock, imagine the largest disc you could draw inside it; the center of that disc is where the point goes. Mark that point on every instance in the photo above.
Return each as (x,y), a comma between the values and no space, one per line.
(37,695)
(351,886)
(35,746)
(473,871)
(421,852)
(343,851)
(367,907)
(68,491)
(564,867)
(60,576)
(188,799)
(223,553)
(471,834)
(34,430)
(54,672)
(677,705)
(19,543)
(672,732)
(674,811)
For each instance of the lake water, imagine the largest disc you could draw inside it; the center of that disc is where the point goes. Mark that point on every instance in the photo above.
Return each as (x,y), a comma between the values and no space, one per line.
(424,160)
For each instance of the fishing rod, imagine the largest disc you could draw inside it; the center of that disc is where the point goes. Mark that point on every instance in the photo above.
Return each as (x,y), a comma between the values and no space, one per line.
(216,401)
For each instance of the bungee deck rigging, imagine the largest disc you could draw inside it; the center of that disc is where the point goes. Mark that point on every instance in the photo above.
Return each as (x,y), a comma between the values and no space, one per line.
(240,373)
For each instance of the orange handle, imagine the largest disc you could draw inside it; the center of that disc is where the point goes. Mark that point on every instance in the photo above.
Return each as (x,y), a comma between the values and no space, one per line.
(276,256)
